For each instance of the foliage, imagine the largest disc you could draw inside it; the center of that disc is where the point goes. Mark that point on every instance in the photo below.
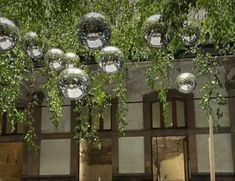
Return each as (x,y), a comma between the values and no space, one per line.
(56,24)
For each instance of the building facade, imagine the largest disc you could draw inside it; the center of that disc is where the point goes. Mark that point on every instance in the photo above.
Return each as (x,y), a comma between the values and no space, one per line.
(149,150)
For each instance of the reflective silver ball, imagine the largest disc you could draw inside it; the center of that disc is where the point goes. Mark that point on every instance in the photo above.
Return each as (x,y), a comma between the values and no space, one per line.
(190,34)
(73,83)
(55,58)
(155,31)
(32,45)
(111,59)
(9,34)
(94,31)
(186,83)
(71,59)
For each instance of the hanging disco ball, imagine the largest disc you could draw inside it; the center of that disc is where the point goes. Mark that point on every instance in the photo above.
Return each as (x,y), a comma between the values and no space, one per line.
(73,83)
(186,83)
(71,59)
(9,34)
(189,34)
(155,32)
(55,58)
(94,31)
(111,59)
(32,45)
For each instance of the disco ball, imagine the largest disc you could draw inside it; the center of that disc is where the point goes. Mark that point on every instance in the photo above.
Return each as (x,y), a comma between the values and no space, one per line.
(94,31)
(186,83)
(155,32)
(9,34)
(32,45)
(73,83)
(71,59)
(55,58)
(189,34)
(111,59)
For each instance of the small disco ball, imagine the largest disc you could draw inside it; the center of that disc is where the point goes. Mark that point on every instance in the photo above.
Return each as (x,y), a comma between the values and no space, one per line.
(155,31)
(71,59)
(9,34)
(111,59)
(186,83)
(189,34)
(32,45)
(73,83)
(55,58)
(94,31)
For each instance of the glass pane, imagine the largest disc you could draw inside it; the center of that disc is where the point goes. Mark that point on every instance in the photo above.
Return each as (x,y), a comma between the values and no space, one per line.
(1,122)
(168,158)
(134,116)
(156,121)
(95,163)
(169,123)
(131,155)
(8,128)
(55,157)
(20,128)
(223,153)
(106,124)
(201,119)
(64,125)
(180,114)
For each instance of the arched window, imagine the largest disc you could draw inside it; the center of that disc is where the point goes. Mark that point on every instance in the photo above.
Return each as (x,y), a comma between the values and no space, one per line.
(179,110)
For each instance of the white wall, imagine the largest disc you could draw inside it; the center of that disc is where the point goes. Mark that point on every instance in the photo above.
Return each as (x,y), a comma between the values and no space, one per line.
(55,157)
(223,153)
(131,154)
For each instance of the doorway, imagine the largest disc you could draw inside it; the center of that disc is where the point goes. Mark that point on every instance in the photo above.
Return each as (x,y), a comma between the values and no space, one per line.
(169,158)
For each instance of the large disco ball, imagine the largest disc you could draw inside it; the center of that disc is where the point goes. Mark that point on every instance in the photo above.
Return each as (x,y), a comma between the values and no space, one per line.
(73,83)
(32,46)
(190,33)
(94,31)
(186,83)
(111,59)
(9,34)
(71,59)
(155,31)
(55,58)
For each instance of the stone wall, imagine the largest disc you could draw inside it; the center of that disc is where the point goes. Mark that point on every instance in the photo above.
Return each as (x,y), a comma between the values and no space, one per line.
(95,163)
(11,161)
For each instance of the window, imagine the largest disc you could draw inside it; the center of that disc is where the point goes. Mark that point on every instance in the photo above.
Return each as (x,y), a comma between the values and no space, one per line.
(223,153)
(55,157)
(131,154)
(176,113)
(105,120)
(6,128)
(177,110)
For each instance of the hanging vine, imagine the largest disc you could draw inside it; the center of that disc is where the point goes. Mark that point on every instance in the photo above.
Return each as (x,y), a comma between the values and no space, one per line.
(56,24)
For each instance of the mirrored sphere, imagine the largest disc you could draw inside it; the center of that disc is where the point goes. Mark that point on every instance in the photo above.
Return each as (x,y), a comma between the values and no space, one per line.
(111,59)
(9,34)
(186,83)
(155,32)
(71,59)
(190,34)
(32,45)
(55,58)
(73,83)
(94,31)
